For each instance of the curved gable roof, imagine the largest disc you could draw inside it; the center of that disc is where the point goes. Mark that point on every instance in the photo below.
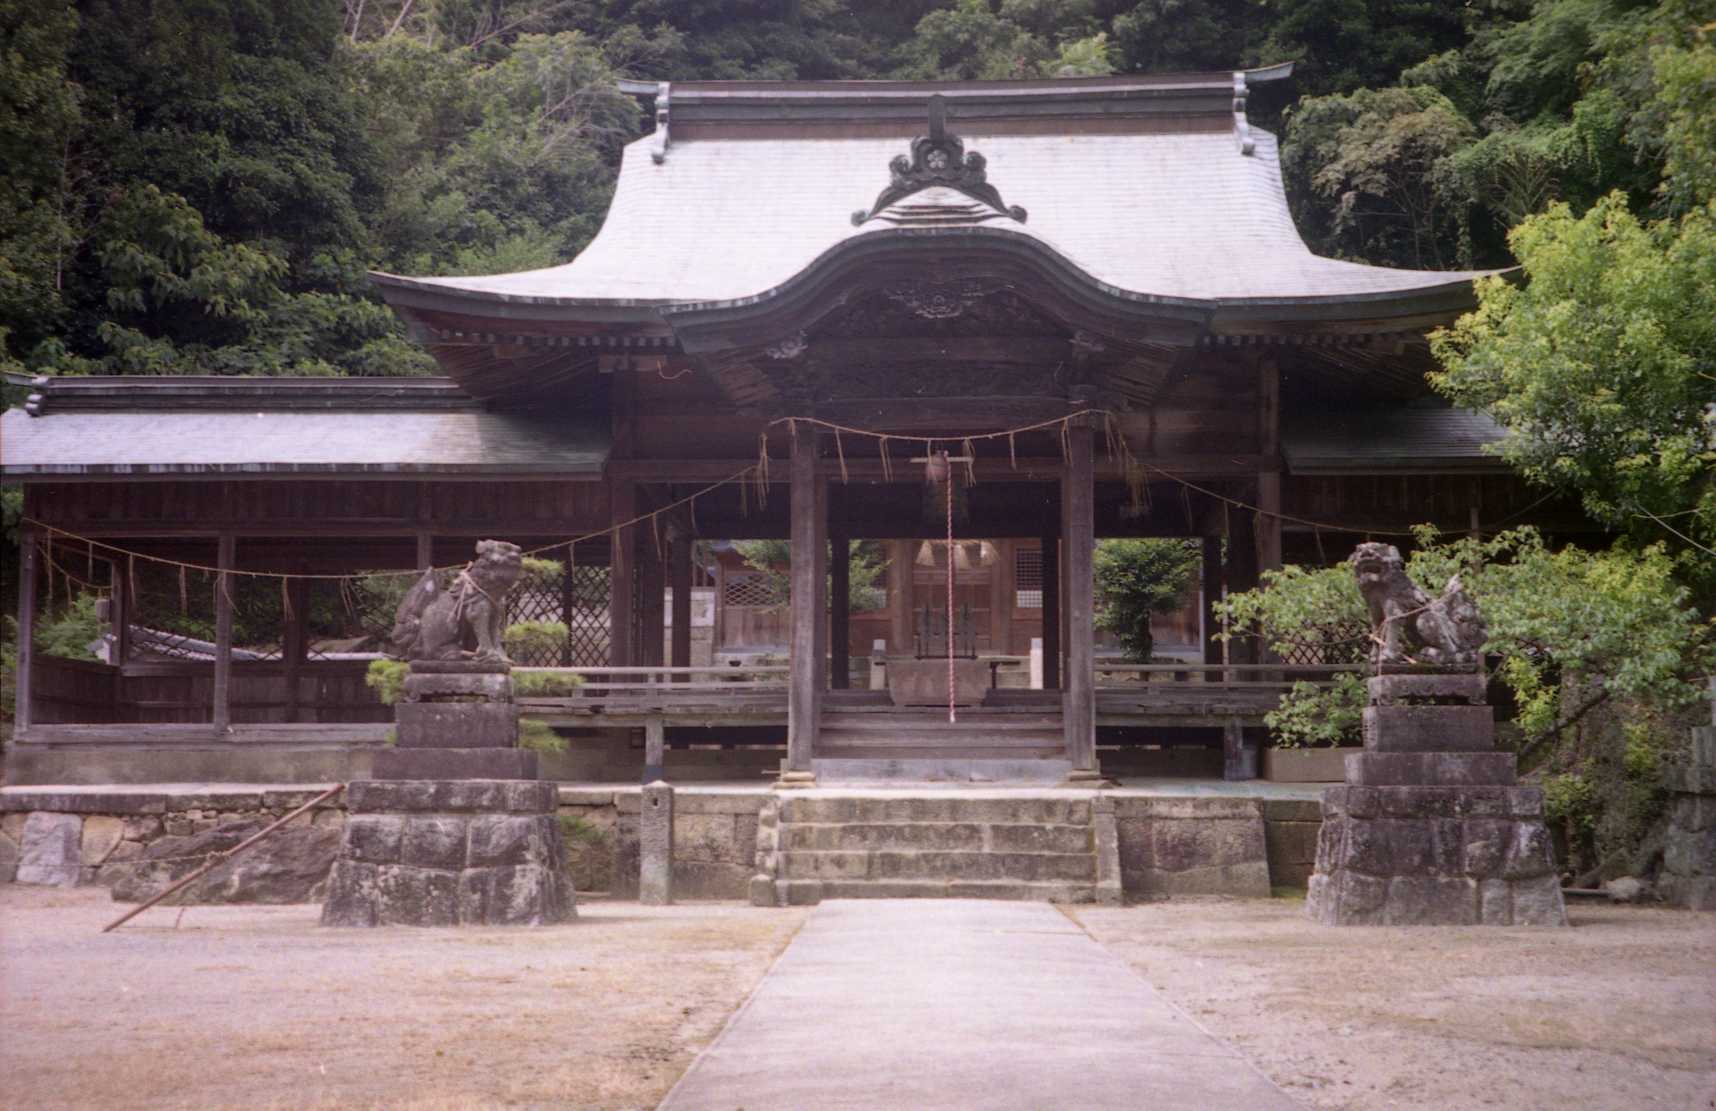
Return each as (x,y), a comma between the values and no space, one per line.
(1145,185)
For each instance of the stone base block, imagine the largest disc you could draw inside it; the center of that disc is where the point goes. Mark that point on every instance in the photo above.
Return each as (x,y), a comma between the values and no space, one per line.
(455,763)
(456,724)
(1431,769)
(1429,689)
(1439,866)
(450,853)
(457,687)
(1429,729)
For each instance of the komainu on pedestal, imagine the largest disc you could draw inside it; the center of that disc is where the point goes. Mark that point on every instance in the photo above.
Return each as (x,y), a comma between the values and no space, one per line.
(1431,826)
(455,828)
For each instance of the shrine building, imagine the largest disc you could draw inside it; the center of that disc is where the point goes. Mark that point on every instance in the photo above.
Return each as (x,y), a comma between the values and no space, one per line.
(864,318)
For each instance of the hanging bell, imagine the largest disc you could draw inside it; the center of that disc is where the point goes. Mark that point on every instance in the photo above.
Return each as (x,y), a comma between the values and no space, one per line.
(936,467)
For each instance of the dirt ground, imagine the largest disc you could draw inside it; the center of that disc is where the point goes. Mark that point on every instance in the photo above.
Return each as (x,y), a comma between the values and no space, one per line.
(259,1007)
(1617,1012)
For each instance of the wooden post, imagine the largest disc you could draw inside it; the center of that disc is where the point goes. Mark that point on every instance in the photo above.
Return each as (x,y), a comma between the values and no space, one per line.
(1052,609)
(1212,593)
(1269,478)
(804,693)
(652,615)
(900,555)
(221,712)
(622,562)
(680,580)
(425,551)
(28,561)
(294,647)
(1237,761)
(1001,598)
(840,611)
(1078,511)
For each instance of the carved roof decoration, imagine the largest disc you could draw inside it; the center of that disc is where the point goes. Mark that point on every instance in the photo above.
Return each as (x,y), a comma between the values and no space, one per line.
(938,160)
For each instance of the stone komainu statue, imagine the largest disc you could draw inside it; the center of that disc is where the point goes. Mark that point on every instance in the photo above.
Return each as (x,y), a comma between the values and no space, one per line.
(1408,626)
(439,623)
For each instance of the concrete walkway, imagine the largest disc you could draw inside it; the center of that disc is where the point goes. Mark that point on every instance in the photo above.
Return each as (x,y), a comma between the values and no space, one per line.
(961,1004)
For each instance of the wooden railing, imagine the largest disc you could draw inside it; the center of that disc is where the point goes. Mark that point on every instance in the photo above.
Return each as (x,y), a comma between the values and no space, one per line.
(1242,676)
(642,690)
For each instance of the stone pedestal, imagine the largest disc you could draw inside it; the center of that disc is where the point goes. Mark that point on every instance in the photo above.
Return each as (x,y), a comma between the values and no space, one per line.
(457,721)
(655,845)
(455,829)
(1431,827)
(1688,877)
(475,853)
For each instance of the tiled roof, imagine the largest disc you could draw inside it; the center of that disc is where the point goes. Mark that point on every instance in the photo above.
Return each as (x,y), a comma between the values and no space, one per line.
(1156,211)
(1398,440)
(238,443)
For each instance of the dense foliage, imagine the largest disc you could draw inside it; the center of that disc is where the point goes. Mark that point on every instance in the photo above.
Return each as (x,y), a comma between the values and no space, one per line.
(198,186)
(1136,579)
(1601,653)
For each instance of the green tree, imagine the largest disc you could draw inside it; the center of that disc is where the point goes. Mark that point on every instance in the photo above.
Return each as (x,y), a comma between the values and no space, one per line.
(865,570)
(1137,579)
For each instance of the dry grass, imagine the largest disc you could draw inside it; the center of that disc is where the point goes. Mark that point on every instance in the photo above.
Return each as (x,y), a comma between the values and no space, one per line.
(260,1007)
(1618,1012)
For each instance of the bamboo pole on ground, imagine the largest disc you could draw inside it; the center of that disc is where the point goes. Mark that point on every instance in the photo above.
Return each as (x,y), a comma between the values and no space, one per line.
(223,858)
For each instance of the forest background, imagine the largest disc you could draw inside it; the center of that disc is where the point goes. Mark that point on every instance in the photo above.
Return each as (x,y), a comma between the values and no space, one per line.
(199,186)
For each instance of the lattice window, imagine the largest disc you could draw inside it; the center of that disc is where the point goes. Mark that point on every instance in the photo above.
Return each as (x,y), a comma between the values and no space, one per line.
(576,597)
(1028,578)
(752,588)
(1349,644)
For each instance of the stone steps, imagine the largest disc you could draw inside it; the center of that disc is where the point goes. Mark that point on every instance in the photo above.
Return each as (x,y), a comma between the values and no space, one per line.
(1034,845)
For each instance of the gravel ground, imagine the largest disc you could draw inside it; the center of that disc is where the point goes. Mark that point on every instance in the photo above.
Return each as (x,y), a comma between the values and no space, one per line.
(1617,1012)
(259,1007)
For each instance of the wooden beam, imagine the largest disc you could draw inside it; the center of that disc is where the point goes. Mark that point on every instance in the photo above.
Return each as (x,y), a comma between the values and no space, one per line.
(1001,597)
(28,566)
(221,712)
(998,468)
(809,584)
(1078,507)
(680,576)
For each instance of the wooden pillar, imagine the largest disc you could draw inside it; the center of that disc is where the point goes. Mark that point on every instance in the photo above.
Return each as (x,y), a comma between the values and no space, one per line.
(1212,593)
(1269,478)
(221,712)
(1001,599)
(1078,528)
(809,604)
(655,749)
(425,551)
(840,610)
(900,556)
(1052,609)
(652,587)
(1240,574)
(680,576)
(622,563)
(28,563)
(294,646)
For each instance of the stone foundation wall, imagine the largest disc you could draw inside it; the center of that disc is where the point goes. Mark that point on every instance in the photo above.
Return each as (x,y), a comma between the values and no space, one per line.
(138,842)
(1191,846)
(1688,876)
(1290,839)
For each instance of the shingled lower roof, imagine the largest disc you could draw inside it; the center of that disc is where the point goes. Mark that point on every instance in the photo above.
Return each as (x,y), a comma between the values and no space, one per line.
(1398,441)
(260,442)
(1148,209)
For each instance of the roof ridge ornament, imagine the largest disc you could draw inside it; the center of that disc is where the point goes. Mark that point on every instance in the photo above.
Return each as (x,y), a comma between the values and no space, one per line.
(1241,125)
(938,158)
